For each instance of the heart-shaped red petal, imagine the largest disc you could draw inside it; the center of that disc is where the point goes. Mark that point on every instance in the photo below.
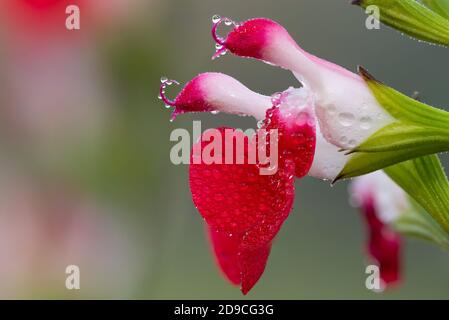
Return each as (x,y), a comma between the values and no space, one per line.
(245,209)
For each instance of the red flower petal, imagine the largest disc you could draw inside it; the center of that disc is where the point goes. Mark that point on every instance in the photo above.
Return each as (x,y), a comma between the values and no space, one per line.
(243,208)
(241,265)
(236,198)
(253,261)
(226,249)
(297,138)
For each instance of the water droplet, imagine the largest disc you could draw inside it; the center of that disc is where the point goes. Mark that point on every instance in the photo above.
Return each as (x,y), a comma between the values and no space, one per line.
(223,52)
(260,124)
(215,112)
(159,97)
(168,106)
(164,79)
(218,197)
(218,46)
(276,98)
(346,119)
(228,22)
(365,123)
(352,143)
(269,63)
(332,110)
(169,82)
(216,18)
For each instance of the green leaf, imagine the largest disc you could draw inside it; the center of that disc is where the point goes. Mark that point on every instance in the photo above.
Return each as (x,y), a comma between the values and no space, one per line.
(425,181)
(412,18)
(417,223)
(439,6)
(419,130)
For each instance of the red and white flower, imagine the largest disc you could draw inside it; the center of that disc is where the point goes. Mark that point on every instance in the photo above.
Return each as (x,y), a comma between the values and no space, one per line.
(333,109)
(382,202)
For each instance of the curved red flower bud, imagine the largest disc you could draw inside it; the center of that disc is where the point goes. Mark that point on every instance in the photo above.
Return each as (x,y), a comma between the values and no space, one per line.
(215,92)
(384,245)
(267,40)
(382,202)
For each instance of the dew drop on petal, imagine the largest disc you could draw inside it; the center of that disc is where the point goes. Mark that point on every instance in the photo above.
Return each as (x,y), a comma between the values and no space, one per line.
(346,119)
(228,22)
(352,143)
(216,18)
(159,97)
(332,110)
(275,98)
(365,123)
(215,112)
(164,79)
(260,124)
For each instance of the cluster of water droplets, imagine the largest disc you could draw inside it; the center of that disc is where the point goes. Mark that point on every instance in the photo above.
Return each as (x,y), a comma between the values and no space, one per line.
(165,82)
(220,49)
(276,99)
(348,119)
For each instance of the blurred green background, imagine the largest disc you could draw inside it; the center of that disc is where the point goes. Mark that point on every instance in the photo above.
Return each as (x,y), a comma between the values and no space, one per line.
(319,253)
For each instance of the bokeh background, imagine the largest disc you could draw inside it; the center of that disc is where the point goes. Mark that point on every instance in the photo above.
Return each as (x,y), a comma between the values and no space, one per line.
(85,174)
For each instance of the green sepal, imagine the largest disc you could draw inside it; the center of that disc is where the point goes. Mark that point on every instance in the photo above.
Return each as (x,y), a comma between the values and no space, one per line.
(412,18)
(418,130)
(424,180)
(417,223)
(438,6)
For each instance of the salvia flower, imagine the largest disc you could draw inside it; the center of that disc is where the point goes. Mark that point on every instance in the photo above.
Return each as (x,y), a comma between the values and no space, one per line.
(382,202)
(333,110)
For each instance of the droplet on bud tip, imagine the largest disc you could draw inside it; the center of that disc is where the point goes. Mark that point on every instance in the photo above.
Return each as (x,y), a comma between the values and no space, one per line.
(216,18)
